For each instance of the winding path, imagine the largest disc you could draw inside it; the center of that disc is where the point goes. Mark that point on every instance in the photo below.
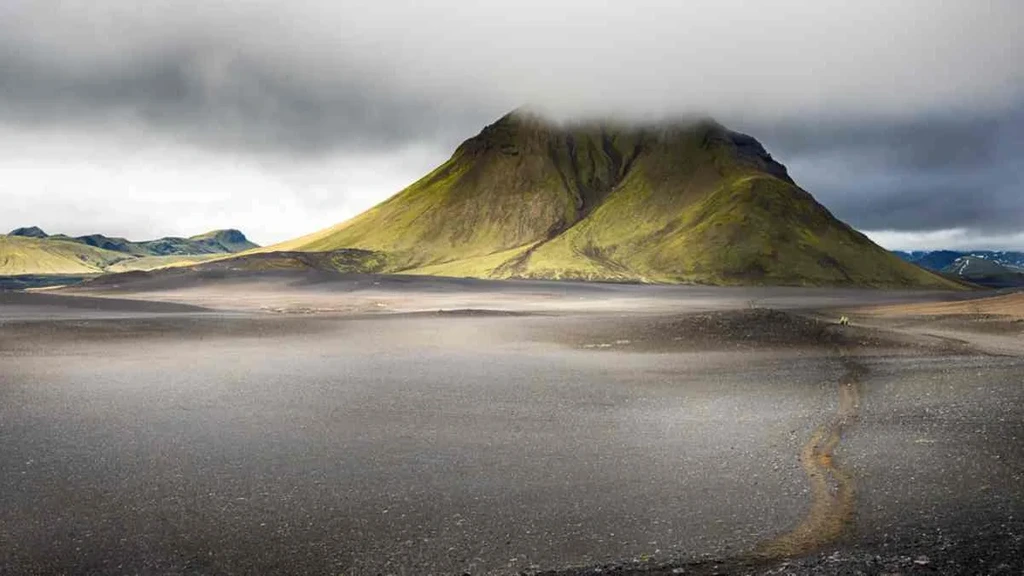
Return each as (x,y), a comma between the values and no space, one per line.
(832,487)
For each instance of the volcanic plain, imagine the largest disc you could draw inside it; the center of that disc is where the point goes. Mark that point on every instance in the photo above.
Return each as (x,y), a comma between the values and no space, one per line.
(307,422)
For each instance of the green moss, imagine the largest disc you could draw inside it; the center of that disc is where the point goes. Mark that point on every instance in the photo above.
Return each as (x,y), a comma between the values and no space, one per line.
(487,266)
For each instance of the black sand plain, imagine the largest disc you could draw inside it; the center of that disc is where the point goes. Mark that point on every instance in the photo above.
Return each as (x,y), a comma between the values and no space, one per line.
(304,423)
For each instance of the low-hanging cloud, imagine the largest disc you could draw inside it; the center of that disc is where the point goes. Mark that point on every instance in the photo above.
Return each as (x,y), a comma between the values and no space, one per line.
(875,105)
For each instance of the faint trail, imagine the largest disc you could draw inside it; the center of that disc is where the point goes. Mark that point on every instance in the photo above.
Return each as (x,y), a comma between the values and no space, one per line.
(832,488)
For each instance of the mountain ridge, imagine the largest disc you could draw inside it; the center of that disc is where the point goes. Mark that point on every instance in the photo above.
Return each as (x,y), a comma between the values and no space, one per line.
(990,268)
(221,241)
(939,259)
(31,251)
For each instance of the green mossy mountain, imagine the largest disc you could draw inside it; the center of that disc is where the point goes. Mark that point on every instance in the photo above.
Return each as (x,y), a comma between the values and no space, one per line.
(23,255)
(684,202)
(229,240)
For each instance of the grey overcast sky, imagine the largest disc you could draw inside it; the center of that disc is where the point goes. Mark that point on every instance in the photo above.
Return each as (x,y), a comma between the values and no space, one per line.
(144,119)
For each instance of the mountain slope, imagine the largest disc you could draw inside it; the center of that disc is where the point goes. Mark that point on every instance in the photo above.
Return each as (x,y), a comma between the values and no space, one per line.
(21,255)
(989,268)
(498,191)
(941,259)
(31,251)
(220,241)
(934,260)
(985,272)
(685,202)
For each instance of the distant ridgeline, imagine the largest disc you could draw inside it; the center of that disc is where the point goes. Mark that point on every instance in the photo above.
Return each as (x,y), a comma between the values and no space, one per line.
(215,242)
(992,268)
(32,252)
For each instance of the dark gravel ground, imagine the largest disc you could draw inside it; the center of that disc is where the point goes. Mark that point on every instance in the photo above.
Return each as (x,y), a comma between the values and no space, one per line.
(735,330)
(137,440)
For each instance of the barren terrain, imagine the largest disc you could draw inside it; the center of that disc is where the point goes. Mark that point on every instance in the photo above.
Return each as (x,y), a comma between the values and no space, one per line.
(284,422)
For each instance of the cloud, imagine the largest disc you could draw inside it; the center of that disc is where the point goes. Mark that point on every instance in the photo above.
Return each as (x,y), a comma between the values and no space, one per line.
(919,174)
(950,239)
(80,185)
(318,74)
(220,100)
(878,107)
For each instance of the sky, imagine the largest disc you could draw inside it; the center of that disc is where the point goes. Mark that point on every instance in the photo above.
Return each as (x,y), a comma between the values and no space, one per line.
(160,118)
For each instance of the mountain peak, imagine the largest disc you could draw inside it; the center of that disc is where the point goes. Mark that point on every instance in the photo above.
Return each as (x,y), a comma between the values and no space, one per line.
(228,235)
(526,132)
(746,149)
(29,232)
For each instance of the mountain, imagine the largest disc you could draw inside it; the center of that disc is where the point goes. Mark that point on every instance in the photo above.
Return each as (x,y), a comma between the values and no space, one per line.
(985,272)
(675,202)
(229,240)
(991,268)
(31,251)
(214,242)
(29,232)
(23,254)
(933,260)
(939,259)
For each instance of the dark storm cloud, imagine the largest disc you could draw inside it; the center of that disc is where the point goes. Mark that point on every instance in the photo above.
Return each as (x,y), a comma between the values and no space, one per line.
(225,101)
(931,172)
(930,142)
(315,74)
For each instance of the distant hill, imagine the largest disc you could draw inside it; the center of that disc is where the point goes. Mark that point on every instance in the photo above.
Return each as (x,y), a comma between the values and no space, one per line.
(31,251)
(939,259)
(215,242)
(32,255)
(673,202)
(29,232)
(991,268)
(932,260)
(229,240)
(985,272)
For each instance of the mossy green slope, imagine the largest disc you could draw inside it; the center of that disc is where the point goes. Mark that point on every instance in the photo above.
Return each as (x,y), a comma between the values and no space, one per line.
(683,202)
(20,255)
(500,190)
(26,255)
